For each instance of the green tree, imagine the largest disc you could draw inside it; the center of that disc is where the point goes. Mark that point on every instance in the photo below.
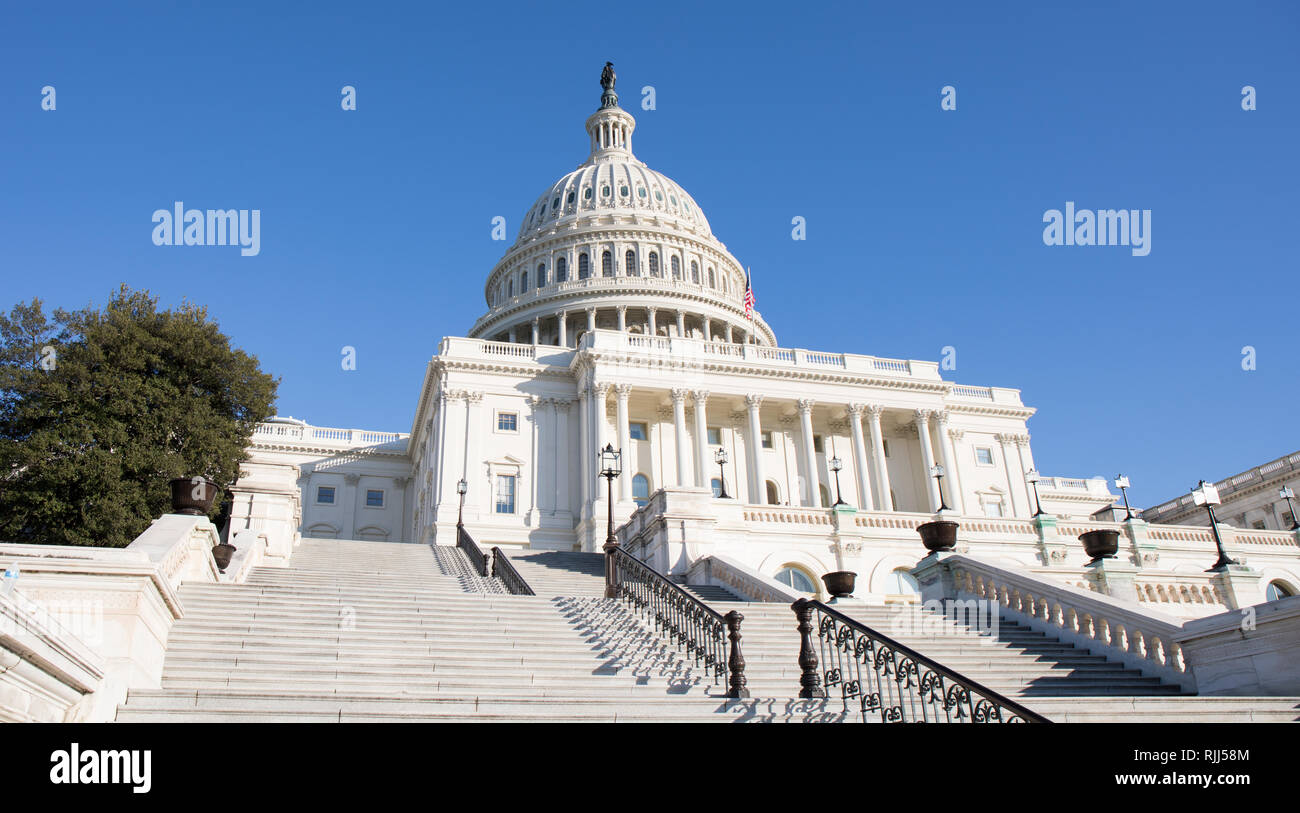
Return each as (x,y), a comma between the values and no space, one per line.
(100,408)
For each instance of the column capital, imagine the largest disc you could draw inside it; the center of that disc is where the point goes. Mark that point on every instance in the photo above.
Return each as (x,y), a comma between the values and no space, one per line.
(561,404)
(474,396)
(1021,440)
(874,411)
(401,482)
(700,396)
(753,401)
(804,405)
(600,388)
(622,390)
(678,394)
(623,309)
(956,434)
(856,410)
(924,414)
(352,479)
(1005,438)
(941,416)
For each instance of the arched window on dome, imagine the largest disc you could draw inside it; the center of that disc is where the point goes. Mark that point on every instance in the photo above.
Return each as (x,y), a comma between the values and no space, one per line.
(713,282)
(629,264)
(676,265)
(541,275)
(561,270)
(523,282)
(695,272)
(607,264)
(510,287)
(584,267)
(654,264)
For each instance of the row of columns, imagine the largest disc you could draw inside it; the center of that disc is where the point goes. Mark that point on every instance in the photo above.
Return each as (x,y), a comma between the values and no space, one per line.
(729,334)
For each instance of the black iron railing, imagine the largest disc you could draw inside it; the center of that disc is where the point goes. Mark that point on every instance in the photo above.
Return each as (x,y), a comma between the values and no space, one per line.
(472,551)
(504,570)
(889,681)
(699,630)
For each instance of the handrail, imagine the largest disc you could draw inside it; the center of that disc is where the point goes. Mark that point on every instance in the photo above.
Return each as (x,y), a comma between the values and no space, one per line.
(504,569)
(472,551)
(689,623)
(890,678)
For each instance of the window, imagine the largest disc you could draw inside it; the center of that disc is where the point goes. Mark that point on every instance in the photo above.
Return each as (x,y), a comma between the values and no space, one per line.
(676,266)
(561,270)
(641,490)
(584,266)
(523,282)
(1257,524)
(712,280)
(792,576)
(773,493)
(902,583)
(629,264)
(983,456)
(505,493)
(654,264)
(818,446)
(541,275)
(638,431)
(374,498)
(714,436)
(325,495)
(606,264)
(992,509)
(695,272)
(716,484)
(767,440)
(507,421)
(1277,590)
(510,287)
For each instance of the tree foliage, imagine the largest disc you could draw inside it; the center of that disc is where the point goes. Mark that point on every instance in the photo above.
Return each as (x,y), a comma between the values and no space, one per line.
(100,408)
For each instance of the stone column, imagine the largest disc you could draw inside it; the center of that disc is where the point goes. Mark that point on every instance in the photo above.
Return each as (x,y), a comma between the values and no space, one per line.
(728,333)
(622,318)
(949,461)
(591,319)
(399,491)
(679,431)
(564,332)
(681,324)
(536,330)
(349,529)
(707,335)
(758,487)
(878,454)
(562,454)
(860,457)
(654,329)
(586,456)
(534,466)
(599,399)
(475,500)
(1006,441)
(811,495)
(951,437)
(927,455)
(512,336)
(621,393)
(701,397)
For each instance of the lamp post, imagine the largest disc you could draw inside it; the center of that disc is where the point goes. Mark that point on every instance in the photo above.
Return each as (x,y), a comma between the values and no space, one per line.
(836,465)
(1287,494)
(1122,483)
(611,466)
(1206,494)
(936,471)
(720,457)
(1032,477)
(461,488)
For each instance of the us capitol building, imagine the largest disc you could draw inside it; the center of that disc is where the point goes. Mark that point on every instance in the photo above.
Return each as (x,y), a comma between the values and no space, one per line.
(617,317)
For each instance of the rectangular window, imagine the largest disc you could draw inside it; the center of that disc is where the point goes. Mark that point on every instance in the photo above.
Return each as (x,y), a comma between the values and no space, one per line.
(505,493)
(325,495)
(767,440)
(374,498)
(818,446)
(715,436)
(638,431)
(507,421)
(983,456)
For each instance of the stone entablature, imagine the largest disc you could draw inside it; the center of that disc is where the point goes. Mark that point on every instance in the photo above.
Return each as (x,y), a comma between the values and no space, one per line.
(1250,499)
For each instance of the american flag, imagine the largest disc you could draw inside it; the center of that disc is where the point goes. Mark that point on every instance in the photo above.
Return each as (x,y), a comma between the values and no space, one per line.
(749,296)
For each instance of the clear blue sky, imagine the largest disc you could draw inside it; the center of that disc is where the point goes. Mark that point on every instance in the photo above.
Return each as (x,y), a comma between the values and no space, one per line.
(924,227)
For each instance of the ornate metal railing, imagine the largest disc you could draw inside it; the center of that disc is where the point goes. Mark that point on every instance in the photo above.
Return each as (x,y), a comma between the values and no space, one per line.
(891,682)
(475,554)
(702,632)
(504,570)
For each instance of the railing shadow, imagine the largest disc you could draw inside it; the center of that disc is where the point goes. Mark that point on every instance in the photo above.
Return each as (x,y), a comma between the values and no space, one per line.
(627,646)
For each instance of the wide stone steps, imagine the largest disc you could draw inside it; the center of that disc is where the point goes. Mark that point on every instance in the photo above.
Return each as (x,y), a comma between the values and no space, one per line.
(561,573)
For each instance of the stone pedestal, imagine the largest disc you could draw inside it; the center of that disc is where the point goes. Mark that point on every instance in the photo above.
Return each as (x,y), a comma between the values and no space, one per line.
(934,577)
(1239,585)
(1051,548)
(1114,578)
(1143,552)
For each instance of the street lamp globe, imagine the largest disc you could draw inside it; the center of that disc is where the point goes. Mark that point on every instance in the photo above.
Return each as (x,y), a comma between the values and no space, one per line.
(611,462)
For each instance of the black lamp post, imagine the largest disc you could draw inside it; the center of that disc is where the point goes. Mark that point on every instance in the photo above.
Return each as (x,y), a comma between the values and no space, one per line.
(461,488)
(836,465)
(1206,494)
(611,466)
(1032,477)
(1122,483)
(1287,494)
(936,471)
(720,457)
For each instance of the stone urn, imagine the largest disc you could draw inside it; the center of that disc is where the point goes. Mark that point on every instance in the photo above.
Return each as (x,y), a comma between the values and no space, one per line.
(193,496)
(938,535)
(222,553)
(840,583)
(1103,544)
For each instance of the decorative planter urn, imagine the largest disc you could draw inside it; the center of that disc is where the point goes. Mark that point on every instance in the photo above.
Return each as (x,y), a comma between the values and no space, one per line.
(938,535)
(222,554)
(193,498)
(840,583)
(1100,545)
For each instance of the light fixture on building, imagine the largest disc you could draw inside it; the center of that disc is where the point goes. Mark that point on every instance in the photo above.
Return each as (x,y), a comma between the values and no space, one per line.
(1287,494)
(1206,494)
(720,457)
(1032,477)
(836,465)
(461,488)
(1122,483)
(936,471)
(611,466)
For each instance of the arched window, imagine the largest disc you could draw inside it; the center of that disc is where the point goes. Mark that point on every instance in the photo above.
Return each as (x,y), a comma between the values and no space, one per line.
(510,287)
(773,493)
(523,282)
(541,275)
(713,283)
(654,264)
(584,266)
(607,264)
(695,272)
(641,490)
(561,270)
(629,264)
(676,266)
(901,583)
(797,578)
(1277,590)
